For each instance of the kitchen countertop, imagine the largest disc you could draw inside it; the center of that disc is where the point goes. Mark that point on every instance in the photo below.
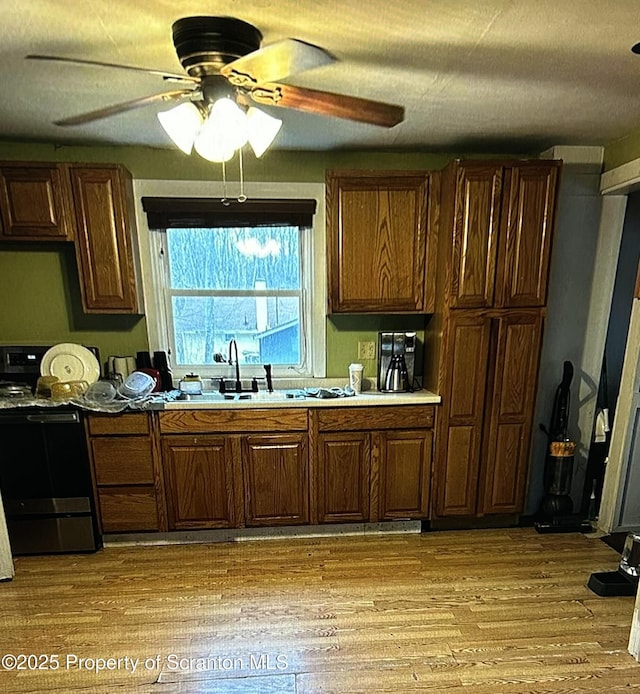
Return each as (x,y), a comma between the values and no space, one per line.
(286,395)
(214,400)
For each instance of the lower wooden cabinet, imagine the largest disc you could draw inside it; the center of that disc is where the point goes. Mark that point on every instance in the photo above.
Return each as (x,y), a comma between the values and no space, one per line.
(378,470)
(126,470)
(199,469)
(344,465)
(485,425)
(245,473)
(276,479)
(200,481)
(404,474)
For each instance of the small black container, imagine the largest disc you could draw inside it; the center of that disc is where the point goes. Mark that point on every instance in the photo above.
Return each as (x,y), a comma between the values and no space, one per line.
(612,583)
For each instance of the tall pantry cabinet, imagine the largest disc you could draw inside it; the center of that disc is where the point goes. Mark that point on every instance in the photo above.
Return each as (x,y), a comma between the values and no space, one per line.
(484,338)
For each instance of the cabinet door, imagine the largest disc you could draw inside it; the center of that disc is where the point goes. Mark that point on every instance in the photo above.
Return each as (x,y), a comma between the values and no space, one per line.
(276,479)
(35,202)
(104,242)
(526,233)
(343,477)
(508,430)
(405,474)
(377,243)
(476,222)
(459,438)
(199,481)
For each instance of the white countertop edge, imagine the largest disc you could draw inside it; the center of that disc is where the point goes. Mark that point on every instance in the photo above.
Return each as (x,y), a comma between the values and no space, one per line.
(279,400)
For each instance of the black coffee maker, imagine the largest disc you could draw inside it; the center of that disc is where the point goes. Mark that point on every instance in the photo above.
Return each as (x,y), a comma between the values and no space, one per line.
(396,361)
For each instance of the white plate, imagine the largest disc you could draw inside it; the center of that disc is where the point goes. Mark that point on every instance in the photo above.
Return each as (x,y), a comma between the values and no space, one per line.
(70,362)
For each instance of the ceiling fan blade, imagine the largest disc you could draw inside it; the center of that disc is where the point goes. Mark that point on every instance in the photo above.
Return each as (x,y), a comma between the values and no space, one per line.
(275,62)
(174,77)
(328,104)
(100,113)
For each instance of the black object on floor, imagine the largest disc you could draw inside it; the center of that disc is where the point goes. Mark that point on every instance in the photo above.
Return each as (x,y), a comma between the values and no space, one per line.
(612,583)
(564,524)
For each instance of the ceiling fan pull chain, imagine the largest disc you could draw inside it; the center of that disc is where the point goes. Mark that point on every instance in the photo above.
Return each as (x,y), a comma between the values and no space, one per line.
(242,197)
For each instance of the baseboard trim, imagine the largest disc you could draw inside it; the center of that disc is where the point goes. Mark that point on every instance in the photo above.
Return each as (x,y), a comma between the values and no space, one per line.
(245,534)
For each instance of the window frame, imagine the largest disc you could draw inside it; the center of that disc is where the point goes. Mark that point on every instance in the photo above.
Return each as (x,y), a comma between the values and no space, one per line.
(314,285)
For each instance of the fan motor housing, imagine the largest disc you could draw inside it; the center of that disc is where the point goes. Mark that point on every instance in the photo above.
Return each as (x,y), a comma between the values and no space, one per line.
(206,44)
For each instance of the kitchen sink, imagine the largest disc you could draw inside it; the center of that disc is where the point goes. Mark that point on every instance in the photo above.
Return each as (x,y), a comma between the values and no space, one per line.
(216,396)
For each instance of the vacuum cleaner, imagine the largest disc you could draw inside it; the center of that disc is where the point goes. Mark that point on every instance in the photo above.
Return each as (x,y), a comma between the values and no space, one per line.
(555,514)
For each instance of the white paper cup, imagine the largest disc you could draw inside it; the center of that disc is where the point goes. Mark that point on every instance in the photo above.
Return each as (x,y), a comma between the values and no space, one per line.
(355,377)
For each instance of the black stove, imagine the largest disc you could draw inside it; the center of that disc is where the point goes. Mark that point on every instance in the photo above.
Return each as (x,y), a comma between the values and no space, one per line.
(45,476)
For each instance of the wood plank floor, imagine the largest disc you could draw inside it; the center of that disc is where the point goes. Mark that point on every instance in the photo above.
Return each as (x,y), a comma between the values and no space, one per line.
(479,612)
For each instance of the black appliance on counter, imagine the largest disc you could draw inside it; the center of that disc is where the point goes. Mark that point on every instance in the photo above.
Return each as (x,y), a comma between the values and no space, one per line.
(45,478)
(396,361)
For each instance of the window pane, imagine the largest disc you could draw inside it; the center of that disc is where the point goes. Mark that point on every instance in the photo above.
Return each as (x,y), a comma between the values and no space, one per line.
(266,329)
(234,258)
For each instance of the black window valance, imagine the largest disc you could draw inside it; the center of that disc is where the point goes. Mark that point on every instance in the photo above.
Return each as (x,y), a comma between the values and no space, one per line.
(167,213)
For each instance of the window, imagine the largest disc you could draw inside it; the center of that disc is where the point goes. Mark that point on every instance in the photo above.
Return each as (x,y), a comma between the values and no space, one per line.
(240,271)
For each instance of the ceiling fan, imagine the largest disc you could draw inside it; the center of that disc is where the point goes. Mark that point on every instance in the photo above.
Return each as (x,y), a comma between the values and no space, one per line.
(222,58)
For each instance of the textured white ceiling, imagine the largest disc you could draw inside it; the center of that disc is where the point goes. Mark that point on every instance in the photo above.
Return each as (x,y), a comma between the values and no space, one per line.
(482,75)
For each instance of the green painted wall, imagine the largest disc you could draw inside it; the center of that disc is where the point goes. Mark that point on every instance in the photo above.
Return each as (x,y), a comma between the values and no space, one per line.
(622,150)
(39,283)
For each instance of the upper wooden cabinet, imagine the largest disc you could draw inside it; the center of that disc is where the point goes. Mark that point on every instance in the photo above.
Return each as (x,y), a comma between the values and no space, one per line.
(91,204)
(501,218)
(35,202)
(103,202)
(381,257)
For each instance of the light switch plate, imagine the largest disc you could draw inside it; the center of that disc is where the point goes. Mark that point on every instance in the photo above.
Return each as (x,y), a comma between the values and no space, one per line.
(366,350)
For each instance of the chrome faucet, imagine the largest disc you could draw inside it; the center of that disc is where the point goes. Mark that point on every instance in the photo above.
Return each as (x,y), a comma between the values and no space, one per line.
(233,347)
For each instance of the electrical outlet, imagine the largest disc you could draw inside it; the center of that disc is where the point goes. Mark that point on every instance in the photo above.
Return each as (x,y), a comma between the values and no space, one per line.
(366,350)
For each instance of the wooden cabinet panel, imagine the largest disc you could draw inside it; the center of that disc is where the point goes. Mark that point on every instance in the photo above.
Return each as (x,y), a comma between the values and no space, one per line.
(461,425)
(35,202)
(233,420)
(102,200)
(128,509)
(457,479)
(199,473)
(377,417)
(511,411)
(476,221)
(405,474)
(109,425)
(377,246)
(343,472)
(125,460)
(276,479)
(525,238)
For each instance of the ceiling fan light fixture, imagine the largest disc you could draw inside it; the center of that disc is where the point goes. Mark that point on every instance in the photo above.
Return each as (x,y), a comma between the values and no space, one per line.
(182,124)
(224,131)
(261,130)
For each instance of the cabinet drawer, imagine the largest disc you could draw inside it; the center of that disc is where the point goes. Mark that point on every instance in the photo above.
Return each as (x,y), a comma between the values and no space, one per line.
(128,509)
(368,418)
(108,425)
(233,420)
(122,460)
